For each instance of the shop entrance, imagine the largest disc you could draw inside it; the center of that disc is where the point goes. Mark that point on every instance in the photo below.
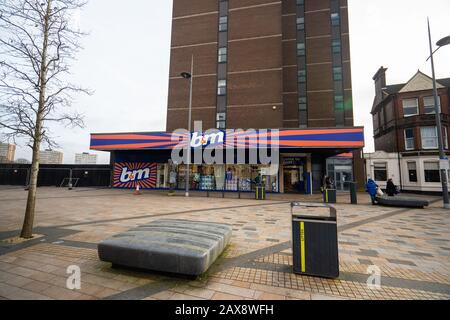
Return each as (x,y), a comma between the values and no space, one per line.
(294,175)
(343,179)
(341,170)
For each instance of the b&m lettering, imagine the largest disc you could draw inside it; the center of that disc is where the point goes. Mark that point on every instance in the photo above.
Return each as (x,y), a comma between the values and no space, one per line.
(135,175)
(200,140)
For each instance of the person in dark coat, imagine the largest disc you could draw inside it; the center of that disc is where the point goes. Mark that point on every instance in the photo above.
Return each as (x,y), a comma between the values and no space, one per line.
(371,189)
(391,189)
(329,183)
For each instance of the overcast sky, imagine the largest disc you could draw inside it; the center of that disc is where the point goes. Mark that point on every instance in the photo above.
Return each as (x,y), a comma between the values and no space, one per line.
(126,61)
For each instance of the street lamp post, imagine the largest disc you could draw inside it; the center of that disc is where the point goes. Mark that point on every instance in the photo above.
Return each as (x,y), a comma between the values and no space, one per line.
(442,157)
(189,76)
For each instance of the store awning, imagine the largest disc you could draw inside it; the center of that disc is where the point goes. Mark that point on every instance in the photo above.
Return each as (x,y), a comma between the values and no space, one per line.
(335,138)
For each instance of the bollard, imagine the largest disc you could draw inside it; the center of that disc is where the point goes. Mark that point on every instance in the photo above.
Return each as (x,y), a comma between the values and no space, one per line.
(70,180)
(239,188)
(354,193)
(260,193)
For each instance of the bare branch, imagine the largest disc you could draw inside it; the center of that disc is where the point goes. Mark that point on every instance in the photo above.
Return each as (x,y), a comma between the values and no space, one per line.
(38,44)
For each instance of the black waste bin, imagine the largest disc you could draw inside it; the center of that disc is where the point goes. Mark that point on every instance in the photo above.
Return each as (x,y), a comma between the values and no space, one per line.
(329,196)
(353,192)
(260,193)
(315,240)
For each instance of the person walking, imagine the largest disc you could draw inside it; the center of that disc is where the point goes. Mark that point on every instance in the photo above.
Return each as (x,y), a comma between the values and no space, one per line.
(371,189)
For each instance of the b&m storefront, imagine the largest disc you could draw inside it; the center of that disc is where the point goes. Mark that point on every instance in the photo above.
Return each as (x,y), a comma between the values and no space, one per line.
(302,159)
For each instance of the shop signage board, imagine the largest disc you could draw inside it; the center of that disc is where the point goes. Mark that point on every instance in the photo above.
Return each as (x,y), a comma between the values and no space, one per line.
(128,175)
(293,161)
(352,138)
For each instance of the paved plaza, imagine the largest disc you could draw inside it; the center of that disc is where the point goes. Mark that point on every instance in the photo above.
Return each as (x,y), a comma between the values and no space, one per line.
(410,246)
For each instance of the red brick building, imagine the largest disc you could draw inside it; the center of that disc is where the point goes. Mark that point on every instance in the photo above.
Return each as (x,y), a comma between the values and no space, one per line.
(408,106)
(261,64)
(258,64)
(404,123)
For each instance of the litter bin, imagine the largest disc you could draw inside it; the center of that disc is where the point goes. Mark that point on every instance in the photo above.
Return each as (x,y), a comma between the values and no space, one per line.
(353,192)
(314,240)
(329,196)
(260,193)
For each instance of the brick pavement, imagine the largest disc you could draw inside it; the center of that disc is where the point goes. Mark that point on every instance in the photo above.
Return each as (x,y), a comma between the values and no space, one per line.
(411,247)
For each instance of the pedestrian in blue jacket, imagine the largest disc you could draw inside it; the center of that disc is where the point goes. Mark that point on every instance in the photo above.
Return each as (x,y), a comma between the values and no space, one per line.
(371,189)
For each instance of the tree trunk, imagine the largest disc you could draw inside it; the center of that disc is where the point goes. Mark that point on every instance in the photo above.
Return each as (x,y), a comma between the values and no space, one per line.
(27,228)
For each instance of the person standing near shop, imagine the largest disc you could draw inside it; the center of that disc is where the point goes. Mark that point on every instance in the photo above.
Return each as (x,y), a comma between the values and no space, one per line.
(258,180)
(328,183)
(172,180)
(391,188)
(229,179)
(196,181)
(229,175)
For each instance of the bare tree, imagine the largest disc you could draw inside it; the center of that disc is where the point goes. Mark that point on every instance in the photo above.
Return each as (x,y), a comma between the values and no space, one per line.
(38,40)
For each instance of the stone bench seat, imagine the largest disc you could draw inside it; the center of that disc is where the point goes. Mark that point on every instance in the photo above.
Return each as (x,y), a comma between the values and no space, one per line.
(402,202)
(171,246)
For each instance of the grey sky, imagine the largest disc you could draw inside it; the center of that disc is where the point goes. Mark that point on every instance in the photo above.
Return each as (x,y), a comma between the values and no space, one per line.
(126,61)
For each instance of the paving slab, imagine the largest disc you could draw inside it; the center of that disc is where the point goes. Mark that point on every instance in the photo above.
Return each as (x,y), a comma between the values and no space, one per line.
(408,246)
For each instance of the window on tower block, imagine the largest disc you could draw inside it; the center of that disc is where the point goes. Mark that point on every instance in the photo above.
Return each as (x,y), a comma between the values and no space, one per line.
(300,23)
(337,74)
(222,87)
(335,19)
(222,55)
(301,51)
(339,102)
(302,103)
(336,46)
(301,76)
(223,23)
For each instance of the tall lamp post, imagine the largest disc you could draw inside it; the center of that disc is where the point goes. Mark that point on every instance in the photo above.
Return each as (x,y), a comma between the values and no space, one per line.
(444,180)
(189,76)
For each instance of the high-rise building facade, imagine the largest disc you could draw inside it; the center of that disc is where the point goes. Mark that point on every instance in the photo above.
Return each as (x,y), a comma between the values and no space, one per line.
(261,64)
(257,64)
(85,158)
(7,153)
(50,157)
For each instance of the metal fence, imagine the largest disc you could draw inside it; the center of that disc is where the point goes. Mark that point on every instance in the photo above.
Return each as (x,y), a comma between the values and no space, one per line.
(55,175)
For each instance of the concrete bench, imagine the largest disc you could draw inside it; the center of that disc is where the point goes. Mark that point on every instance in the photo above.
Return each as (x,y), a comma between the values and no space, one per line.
(402,202)
(172,246)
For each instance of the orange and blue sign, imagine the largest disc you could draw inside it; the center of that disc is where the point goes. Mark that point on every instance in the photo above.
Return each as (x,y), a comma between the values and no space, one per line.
(349,138)
(129,174)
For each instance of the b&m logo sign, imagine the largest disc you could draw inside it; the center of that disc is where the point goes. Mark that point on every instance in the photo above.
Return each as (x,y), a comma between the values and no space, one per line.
(208,139)
(129,174)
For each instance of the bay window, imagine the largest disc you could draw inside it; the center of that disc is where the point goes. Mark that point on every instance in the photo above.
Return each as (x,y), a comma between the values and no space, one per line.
(431,170)
(429,137)
(410,107)
(428,103)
